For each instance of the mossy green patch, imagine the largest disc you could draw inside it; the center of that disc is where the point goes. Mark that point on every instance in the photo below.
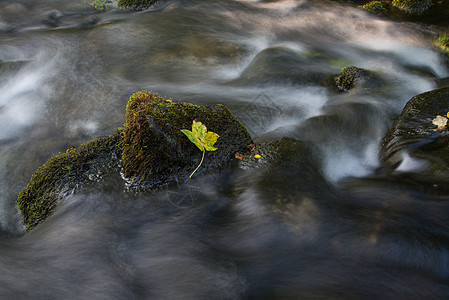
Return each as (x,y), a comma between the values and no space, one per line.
(412,6)
(157,152)
(349,76)
(443,42)
(65,172)
(375,7)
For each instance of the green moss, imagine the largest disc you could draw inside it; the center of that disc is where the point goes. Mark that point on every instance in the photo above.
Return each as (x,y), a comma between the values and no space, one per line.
(443,42)
(375,7)
(412,6)
(349,76)
(136,4)
(156,151)
(63,173)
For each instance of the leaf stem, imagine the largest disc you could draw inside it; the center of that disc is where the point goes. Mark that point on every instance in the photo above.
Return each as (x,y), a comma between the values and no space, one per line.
(204,151)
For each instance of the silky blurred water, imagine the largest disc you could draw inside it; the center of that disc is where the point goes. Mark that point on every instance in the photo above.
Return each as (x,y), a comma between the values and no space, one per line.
(323,228)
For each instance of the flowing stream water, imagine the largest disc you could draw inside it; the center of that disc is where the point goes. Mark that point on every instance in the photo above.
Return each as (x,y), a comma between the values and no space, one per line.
(66,73)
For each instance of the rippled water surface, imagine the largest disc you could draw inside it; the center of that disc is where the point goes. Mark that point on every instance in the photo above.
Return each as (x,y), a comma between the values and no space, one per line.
(321,227)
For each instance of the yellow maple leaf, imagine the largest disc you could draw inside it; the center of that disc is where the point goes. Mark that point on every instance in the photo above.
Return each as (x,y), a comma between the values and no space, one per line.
(201,138)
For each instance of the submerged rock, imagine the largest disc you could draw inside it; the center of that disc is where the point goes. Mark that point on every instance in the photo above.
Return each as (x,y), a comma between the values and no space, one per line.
(65,172)
(10,67)
(288,173)
(156,151)
(413,135)
(280,65)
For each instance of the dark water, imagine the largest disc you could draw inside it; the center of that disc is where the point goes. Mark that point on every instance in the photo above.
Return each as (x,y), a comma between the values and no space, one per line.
(322,228)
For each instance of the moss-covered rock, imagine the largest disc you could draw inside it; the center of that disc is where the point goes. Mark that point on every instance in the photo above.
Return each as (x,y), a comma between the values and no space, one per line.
(423,11)
(156,151)
(443,42)
(354,77)
(136,4)
(414,134)
(375,7)
(152,146)
(65,172)
(413,6)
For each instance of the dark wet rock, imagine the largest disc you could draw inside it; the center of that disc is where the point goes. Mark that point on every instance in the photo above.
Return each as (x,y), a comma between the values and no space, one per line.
(442,82)
(270,165)
(53,18)
(353,77)
(64,173)
(414,134)
(280,65)
(283,152)
(137,4)
(157,152)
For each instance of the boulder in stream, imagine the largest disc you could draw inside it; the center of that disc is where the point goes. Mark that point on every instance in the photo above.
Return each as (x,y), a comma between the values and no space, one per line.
(156,151)
(65,172)
(151,151)
(414,135)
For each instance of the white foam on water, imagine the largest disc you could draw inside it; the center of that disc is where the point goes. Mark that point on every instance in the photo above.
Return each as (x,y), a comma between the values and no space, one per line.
(283,5)
(295,105)
(19,103)
(341,163)
(23,96)
(410,164)
(407,52)
(85,127)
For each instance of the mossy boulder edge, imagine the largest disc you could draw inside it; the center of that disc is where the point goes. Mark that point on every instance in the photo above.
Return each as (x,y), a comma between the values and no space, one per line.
(414,134)
(65,172)
(157,152)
